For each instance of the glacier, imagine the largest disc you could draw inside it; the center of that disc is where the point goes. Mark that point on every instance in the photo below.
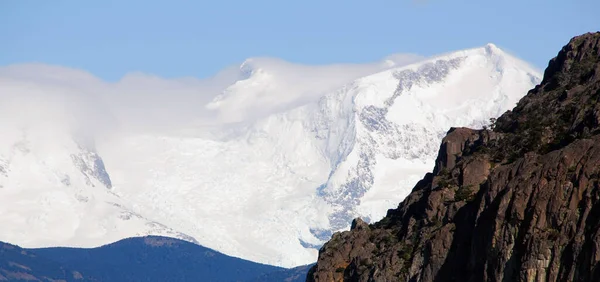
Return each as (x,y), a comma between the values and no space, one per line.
(281,165)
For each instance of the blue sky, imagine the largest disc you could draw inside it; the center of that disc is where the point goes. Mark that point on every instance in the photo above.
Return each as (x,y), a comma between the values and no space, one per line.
(198,38)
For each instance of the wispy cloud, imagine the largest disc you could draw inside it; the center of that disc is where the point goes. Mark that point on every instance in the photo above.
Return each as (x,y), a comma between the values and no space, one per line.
(276,85)
(32,93)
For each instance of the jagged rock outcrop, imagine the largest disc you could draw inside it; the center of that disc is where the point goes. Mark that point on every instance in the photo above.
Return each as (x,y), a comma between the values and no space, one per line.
(517,202)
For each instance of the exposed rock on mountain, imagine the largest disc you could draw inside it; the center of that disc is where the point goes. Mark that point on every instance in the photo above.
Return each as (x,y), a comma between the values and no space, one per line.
(517,202)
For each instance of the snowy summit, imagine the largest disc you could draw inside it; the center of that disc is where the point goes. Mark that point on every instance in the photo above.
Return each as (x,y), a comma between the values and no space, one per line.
(285,156)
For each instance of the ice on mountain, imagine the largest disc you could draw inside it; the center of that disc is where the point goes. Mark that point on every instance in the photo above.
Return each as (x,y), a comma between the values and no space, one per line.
(271,187)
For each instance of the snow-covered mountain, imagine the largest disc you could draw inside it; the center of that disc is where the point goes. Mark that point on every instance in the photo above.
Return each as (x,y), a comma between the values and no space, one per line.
(394,122)
(56,191)
(288,162)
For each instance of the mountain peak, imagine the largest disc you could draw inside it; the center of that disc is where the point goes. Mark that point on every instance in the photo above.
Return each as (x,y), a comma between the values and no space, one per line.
(492,48)
(578,56)
(246,69)
(515,203)
(251,66)
(564,107)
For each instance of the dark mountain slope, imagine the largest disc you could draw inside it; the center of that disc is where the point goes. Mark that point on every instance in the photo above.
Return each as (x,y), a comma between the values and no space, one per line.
(149,258)
(296,274)
(155,258)
(519,202)
(17,264)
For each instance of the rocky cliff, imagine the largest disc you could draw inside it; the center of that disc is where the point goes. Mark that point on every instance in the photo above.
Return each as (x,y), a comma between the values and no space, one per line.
(518,201)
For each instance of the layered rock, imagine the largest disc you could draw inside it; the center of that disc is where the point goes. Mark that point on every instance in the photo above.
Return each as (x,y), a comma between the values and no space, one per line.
(517,202)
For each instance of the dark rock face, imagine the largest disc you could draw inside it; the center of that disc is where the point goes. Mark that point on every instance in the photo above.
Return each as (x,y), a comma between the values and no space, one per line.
(520,202)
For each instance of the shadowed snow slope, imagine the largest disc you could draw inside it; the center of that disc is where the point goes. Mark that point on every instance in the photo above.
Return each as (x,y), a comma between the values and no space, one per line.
(271,188)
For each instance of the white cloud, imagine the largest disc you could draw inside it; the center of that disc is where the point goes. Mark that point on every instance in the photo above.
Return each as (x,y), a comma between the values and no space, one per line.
(275,85)
(32,93)
(39,95)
